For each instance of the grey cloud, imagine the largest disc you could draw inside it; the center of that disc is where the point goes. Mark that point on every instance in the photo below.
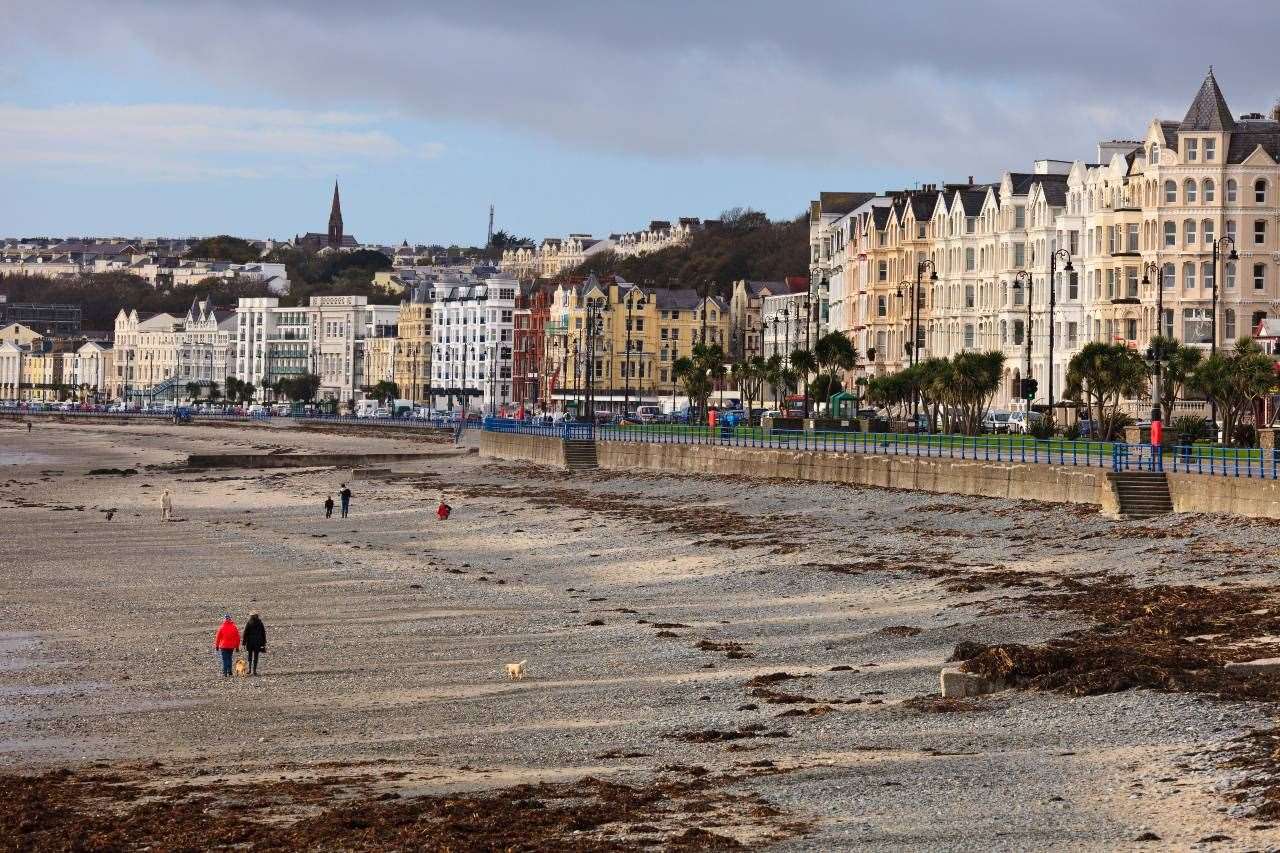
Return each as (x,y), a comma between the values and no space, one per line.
(944,87)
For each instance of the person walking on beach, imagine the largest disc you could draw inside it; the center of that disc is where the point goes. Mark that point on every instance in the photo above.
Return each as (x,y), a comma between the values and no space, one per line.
(328,507)
(255,641)
(166,506)
(226,641)
(442,511)
(345,495)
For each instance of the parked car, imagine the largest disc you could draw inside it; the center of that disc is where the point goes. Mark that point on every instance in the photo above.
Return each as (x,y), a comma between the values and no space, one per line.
(648,414)
(1020,422)
(996,422)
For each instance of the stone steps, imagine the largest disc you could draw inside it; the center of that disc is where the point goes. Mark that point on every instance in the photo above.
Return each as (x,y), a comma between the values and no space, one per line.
(580,454)
(1142,494)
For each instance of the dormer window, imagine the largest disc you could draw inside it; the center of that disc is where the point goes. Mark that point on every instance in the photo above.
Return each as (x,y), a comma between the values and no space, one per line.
(1192,147)
(1154,156)
(1210,150)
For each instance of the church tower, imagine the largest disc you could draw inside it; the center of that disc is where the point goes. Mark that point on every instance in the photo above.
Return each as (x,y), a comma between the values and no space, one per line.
(335,220)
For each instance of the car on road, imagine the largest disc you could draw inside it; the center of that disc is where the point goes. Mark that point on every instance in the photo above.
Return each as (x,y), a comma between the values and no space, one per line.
(996,422)
(1020,423)
(648,414)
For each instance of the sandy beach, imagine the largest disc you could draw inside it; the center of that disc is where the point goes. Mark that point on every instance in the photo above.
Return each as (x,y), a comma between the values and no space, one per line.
(761,656)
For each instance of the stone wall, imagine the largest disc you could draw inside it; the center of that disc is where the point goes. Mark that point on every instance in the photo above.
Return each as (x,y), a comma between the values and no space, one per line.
(1229,495)
(305,460)
(544,450)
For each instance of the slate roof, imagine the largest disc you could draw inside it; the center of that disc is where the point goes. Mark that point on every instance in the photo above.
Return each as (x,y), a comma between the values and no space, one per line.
(880,215)
(841,203)
(1249,135)
(1209,110)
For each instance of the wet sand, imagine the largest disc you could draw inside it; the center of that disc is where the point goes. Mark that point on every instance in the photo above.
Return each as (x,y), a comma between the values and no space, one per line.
(644,605)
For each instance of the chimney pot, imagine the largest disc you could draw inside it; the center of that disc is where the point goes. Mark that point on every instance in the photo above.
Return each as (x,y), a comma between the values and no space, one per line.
(971,180)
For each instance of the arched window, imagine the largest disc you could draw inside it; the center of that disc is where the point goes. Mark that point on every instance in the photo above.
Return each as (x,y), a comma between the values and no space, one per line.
(1207,191)
(1170,277)
(1260,191)
(1206,229)
(1189,276)
(1189,190)
(1171,234)
(1231,190)
(1189,232)
(1170,192)
(1259,276)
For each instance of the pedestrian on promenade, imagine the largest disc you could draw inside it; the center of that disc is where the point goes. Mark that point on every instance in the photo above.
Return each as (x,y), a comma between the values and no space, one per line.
(255,641)
(166,506)
(226,641)
(328,507)
(28,426)
(345,495)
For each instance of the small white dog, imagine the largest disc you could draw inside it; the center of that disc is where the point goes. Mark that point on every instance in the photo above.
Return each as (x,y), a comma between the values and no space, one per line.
(515,671)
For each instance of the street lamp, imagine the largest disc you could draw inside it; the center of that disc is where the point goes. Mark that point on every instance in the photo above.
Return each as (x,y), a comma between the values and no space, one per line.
(1053,301)
(1213,343)
(1154,357)
(1024,281)
(633,301)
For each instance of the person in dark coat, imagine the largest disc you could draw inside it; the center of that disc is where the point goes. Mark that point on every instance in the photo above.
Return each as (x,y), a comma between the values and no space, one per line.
(328,507)
(345,495)
(254,640)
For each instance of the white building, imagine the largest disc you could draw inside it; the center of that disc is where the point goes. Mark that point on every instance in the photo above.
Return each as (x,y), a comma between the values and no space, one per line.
(326,338)
(471,335)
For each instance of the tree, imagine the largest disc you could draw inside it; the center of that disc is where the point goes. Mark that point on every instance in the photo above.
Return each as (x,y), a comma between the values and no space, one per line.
(891,391)
(237,391)
(1179,362)
(385,390)
(224,247)
(750,375)
(1102,375)
(934,380)
(836,355)
(699,372)
(215,393)
(193,390)
(300,388)
(804,363)
(1234,380)
(974,379)
(776,375)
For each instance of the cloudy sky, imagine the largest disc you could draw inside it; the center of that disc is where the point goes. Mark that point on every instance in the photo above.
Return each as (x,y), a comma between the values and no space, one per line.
(179,118)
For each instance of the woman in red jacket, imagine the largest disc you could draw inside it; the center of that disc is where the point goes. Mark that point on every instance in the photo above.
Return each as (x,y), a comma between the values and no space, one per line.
(226,641)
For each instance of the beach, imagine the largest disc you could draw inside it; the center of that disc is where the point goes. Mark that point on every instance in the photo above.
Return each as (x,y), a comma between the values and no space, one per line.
(763,655)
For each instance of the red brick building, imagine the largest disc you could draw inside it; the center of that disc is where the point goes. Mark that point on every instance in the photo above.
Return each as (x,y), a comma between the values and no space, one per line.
(529,375)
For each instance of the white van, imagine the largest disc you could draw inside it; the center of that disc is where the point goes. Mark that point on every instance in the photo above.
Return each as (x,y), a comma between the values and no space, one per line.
(648,414)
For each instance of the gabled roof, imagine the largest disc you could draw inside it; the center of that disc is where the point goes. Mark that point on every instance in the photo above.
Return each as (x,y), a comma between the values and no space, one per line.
(971,200)
(1209,110)
(880,217)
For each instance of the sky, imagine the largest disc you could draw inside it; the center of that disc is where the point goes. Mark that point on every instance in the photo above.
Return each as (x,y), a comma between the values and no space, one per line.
(235,116)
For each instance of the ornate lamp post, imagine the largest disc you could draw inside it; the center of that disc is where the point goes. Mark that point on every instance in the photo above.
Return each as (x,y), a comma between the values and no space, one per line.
(1023,281)
(1218,274)
(1156,356)
(633,301)
(1053,301)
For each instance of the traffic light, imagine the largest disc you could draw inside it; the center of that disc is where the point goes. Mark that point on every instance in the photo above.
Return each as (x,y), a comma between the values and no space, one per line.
(1029,387)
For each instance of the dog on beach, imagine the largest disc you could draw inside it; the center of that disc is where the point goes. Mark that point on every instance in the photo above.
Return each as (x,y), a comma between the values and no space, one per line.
(515,671)
(241,668)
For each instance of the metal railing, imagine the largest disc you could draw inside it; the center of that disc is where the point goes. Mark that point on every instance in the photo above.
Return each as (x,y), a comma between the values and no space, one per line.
(1116,456)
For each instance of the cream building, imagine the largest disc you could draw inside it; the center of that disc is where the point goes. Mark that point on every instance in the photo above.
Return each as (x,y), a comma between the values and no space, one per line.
(155,356)
(413,344)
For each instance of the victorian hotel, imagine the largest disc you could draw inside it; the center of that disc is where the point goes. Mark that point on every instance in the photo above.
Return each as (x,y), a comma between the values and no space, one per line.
(1136,243)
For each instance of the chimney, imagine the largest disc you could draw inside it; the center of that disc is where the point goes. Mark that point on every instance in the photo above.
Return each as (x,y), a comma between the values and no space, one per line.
(971,180)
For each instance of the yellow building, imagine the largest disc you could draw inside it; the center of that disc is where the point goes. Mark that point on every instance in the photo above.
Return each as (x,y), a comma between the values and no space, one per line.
(640,334)
(412,368)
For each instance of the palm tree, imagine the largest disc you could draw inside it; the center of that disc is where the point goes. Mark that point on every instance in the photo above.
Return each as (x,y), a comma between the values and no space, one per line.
(934,377)
(804,363)
(974,379)
(776,375)
(193,390)
(1102,375)
(1235,380)
(1178,362)
(699,372)
(836,355)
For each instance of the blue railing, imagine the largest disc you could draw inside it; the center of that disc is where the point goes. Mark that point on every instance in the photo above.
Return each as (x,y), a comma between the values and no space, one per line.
(1254,462)
(1116,456)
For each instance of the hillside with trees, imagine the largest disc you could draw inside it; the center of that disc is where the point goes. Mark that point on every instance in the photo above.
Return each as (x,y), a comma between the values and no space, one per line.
(102,295)
(744,245)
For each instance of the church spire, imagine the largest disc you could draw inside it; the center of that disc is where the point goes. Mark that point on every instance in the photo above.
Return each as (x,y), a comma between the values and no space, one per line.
(335,219)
